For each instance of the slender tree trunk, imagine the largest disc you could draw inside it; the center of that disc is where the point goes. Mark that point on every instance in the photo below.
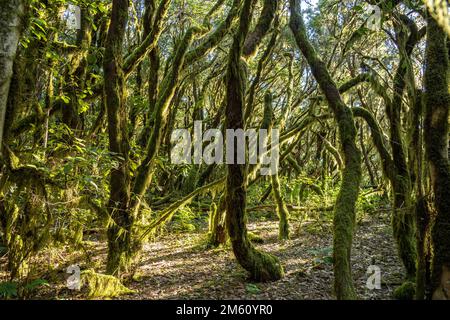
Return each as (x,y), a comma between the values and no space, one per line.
(344,214)
(217,226)
(75,79)
(282,210)
(437,102)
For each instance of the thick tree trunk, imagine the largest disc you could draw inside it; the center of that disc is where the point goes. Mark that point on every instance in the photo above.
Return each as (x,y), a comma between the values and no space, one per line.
(437,102)
(10,30)
(261,266)
(119,230)
(344,215)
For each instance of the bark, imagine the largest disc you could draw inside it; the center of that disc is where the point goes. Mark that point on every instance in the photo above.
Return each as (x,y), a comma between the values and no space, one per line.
(119,230)
(10,30)
(437,101)
(282,211)
(262,27)
(344,215)
(75,79)
(261,266)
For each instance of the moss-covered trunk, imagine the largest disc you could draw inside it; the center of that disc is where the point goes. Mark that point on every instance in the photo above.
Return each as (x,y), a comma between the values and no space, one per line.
(217,224)
(75,79)
(261,266)
(437,102)
(119,230)
(344,214)
(10,30)
(282,210)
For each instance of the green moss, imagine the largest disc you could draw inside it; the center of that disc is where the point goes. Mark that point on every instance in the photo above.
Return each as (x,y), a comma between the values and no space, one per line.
(253,237)
(103,286)
(405,292)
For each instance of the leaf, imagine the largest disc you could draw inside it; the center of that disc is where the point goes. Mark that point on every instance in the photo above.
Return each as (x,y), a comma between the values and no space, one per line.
(8,289)
(36,283)
(252,288)
(66,99)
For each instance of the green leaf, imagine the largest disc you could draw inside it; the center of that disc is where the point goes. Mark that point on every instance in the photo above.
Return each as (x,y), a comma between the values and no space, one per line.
(36,283)
(8,289)
(252,288)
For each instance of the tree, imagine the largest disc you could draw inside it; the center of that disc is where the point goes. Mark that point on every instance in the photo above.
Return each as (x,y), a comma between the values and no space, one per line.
(261,266)
(437,103)
(10,30)
(344,214)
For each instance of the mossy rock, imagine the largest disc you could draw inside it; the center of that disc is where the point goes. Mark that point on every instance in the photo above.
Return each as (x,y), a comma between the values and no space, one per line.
(406,291)
(103,286)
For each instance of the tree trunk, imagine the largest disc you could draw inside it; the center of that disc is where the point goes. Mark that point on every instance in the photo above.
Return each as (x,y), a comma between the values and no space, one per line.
(261,266)
(437,101)
(344,214)
(10,30)
(217,225)
(119,230)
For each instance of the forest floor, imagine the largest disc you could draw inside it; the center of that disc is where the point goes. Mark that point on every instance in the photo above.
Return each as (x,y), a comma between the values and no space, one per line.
(179,266)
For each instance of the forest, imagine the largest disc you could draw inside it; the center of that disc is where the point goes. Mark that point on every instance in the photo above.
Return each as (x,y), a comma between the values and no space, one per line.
(224,150)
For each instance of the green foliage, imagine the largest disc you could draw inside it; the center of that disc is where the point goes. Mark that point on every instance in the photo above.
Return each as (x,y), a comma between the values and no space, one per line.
(187,219)
(252,288)
(406,291)
(322,255)
(12,289)
(8,289)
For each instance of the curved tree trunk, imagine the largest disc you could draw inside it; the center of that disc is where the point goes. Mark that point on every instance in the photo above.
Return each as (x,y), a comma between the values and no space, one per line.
(344,214)
(261,266)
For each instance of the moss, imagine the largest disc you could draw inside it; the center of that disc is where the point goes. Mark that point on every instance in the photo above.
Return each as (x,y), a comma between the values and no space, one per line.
(344,215)
(259,265)
(282,210)
(406,291)
(217,227)
(262,27)
(437,105)
(253,237)
(103,286)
